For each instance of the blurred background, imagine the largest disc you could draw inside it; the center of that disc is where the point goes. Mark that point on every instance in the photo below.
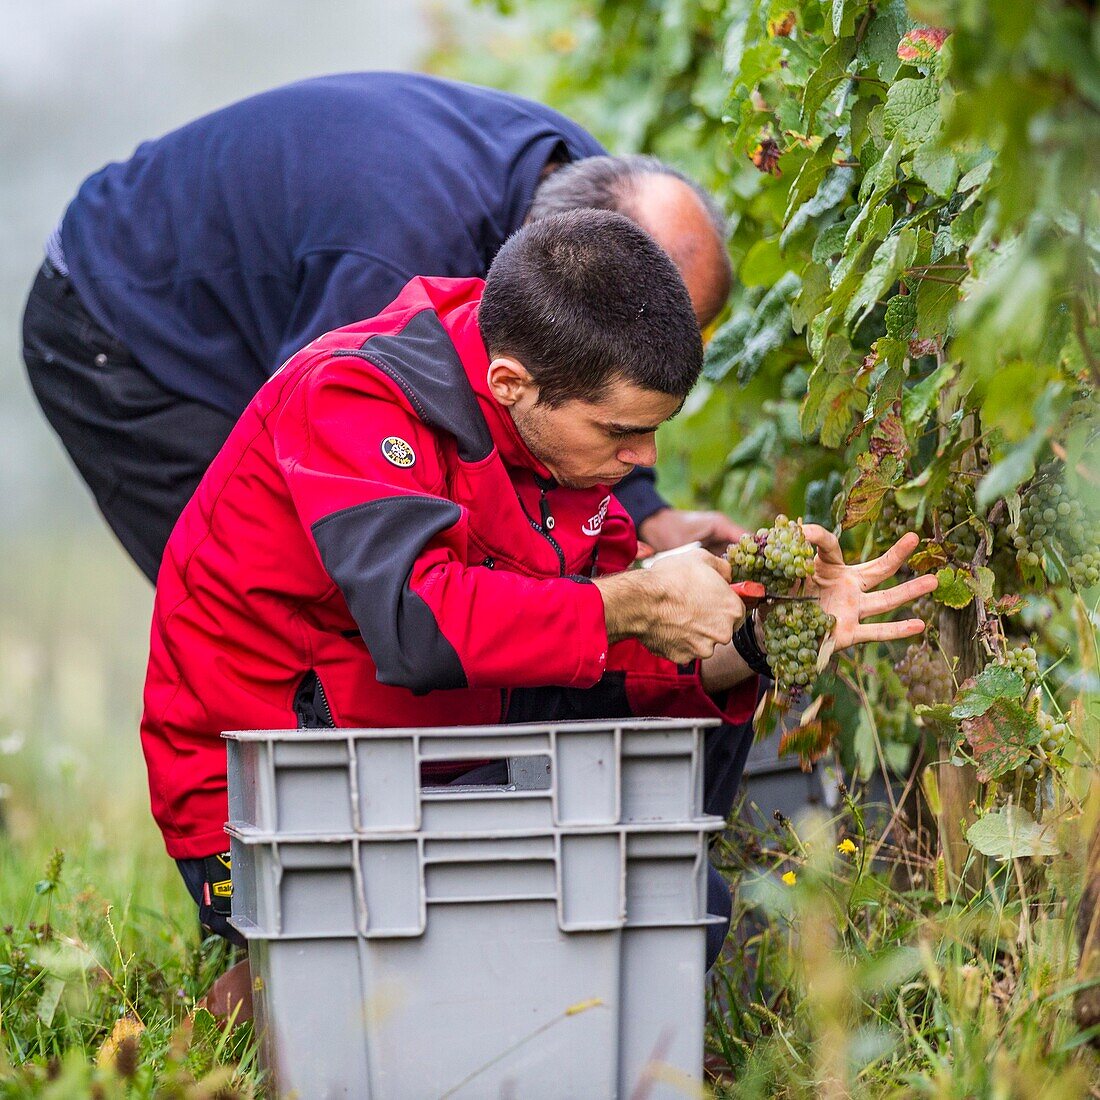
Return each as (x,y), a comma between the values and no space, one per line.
(82,84)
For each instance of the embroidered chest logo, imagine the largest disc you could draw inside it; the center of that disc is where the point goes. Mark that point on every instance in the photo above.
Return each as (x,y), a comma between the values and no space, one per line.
(594,525)
(397,451)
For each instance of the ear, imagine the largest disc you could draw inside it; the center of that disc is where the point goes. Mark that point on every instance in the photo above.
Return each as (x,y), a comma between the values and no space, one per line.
(510,383)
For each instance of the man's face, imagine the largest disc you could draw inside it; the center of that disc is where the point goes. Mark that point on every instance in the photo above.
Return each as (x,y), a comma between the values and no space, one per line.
(586,443)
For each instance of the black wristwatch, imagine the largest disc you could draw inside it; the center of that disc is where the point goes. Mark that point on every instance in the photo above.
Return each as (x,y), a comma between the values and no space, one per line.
(744,641)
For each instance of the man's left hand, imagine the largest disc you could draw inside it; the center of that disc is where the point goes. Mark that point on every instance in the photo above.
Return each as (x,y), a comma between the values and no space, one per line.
(668,528)
(846,590)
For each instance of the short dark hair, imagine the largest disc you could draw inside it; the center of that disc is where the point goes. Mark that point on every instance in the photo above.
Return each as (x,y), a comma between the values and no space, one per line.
(609,183)
(586,297)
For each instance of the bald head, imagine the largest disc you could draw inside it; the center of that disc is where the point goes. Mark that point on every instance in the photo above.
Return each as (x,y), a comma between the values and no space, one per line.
(671,212)
(682,218)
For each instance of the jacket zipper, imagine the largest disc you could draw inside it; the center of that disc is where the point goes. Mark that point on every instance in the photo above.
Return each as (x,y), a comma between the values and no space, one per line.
(326,710)
(311,704)
(548,521)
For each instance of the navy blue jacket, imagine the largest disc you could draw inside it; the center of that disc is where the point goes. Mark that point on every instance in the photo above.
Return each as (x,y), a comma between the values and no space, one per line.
(220,249)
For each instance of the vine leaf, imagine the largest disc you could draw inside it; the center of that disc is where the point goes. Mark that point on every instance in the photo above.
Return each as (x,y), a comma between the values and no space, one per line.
(935,301)
(876,477)
(891,258)
(937,167)
(929,556)
(1000,738)
(901,316)
(829,73)
(912,111)
(980,692)
(744,341)
(1011,833)
(953,589)
(811,741)
(981,583)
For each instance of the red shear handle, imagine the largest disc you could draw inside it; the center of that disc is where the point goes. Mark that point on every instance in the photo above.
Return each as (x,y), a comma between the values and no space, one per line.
(751,592)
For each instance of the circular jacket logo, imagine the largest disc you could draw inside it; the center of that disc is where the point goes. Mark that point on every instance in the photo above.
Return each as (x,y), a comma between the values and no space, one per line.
(397,451)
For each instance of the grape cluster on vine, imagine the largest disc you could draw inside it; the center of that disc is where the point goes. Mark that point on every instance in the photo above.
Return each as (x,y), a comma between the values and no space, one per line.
(892,521)
(1053,522)
(926,675)
(778,556)
(958,535)
(1055,733)
(1024,661)
(793,633)
(952,526)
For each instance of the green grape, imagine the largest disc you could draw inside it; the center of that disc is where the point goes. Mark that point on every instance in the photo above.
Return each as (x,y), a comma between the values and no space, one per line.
(926,675)
(794,665)
(1025,661)
(778,556)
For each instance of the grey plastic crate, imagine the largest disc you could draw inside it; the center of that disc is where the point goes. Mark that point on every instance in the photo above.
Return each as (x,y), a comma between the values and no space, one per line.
(477,942)
(341,781)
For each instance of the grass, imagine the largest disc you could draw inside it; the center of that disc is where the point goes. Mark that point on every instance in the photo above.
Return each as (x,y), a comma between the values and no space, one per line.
(845,982)
(101,962)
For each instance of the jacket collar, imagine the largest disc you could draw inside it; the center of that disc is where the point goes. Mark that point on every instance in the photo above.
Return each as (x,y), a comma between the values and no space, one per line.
(462,327)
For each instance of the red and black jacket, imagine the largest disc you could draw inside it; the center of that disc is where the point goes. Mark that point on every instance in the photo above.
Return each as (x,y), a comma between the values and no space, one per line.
(376,546)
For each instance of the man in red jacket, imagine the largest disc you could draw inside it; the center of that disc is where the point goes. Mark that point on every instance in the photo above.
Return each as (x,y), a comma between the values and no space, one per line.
(413,524)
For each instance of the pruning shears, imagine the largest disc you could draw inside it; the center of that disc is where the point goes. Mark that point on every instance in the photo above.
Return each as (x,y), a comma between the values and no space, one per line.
(752,593)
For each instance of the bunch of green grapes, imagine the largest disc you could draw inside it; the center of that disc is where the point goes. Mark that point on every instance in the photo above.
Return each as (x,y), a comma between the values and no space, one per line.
(1055,733)
(1053,521)
(926,675)
(953,513)
(892,521)
(1023,660)
(955,532)
(793,633)
(778,556)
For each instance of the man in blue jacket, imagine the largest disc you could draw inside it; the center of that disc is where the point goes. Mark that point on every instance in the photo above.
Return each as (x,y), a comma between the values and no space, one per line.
(180,280)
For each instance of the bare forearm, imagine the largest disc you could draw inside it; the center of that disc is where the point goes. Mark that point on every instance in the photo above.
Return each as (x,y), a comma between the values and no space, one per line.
(628,603)
(681,609)
(726,668)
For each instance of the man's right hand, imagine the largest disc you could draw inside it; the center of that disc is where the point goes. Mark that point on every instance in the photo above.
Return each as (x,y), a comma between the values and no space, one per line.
(682,608)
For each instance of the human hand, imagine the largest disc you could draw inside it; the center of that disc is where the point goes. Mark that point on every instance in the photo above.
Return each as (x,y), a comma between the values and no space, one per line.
(682,608)
(670,527)
(846,590)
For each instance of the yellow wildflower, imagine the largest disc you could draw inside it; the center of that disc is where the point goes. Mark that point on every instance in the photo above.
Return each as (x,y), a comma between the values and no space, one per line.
(847,847)
(790,878)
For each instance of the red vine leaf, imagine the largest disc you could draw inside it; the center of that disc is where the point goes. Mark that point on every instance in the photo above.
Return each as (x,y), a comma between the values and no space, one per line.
(810,741)
(889,438)
(782,26)
(1007,605)
(922,44)
(1001,738)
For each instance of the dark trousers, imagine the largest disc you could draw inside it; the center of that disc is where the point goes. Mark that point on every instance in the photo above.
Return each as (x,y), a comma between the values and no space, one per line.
(140,448)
